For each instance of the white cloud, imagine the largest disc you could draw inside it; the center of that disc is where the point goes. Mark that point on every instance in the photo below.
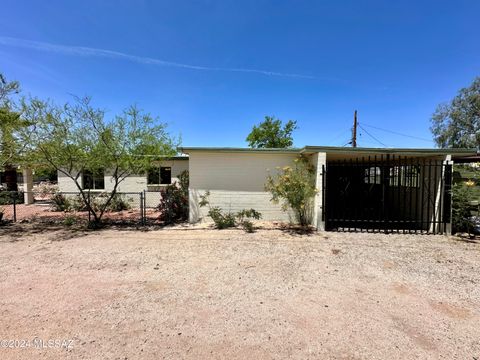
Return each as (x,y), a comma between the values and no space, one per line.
(94,52)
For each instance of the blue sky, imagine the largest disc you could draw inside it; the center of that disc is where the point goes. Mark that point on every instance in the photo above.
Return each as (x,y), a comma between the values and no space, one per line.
(212,69)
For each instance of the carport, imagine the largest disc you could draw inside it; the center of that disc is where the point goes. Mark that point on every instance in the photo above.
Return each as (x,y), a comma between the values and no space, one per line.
(387,190)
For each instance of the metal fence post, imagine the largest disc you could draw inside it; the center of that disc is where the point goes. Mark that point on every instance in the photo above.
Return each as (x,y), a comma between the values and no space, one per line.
(144,207)
(15,206)
(89,207)
(142,220)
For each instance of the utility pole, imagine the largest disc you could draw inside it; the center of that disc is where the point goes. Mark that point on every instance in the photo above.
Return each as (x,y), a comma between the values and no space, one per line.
(354,130)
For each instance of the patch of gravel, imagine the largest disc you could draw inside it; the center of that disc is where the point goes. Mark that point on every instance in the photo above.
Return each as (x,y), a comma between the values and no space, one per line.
(194,292)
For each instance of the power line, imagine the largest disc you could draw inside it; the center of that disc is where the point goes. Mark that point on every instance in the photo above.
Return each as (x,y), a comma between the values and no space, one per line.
(373,137)
(340,134)
(349,142)
(396,133)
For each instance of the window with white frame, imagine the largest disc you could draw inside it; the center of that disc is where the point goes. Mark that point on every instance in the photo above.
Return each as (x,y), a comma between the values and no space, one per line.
(93,180)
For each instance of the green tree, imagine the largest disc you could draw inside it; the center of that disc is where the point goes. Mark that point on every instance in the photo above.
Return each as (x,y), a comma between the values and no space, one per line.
(457,124)
(77,137)
(271,134)
(295,188)
(10,124)
(461,214)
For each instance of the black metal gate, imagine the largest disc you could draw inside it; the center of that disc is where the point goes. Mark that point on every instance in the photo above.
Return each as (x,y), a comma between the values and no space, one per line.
(389,194)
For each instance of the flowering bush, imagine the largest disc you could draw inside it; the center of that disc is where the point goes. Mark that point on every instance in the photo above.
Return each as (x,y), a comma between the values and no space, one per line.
(295,188)
(45,188)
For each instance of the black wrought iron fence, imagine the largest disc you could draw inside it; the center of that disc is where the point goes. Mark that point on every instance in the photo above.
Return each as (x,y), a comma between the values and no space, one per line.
(389,194)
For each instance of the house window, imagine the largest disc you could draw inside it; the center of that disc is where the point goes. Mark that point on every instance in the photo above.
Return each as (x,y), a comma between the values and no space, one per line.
(406,175)
(372,175)
(93,180)
(162,175)
(412,176)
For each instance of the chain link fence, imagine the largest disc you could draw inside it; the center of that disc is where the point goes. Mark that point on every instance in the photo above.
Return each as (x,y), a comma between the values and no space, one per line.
(135,208)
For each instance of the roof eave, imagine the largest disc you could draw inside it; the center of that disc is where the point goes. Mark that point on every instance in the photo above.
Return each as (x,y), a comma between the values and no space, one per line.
(187,150)
(403,151)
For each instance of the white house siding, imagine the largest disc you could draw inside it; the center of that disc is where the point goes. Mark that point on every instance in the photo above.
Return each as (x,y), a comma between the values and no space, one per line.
(131,184)
(319,160)
(65,184)
(236,181)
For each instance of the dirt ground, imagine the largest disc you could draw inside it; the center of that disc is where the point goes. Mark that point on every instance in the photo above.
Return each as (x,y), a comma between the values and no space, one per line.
(44,212)
(190,292)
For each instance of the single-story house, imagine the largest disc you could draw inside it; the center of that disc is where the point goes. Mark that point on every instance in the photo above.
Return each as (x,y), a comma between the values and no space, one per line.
(161,174)
(358,188)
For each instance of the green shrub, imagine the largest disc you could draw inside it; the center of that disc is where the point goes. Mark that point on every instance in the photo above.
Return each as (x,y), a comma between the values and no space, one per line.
(77,203)
(295,188)
(247,225)
(244,217)
(116,204)
(173,205)
(69,220)
(248,213)
(8,197)
(461,195)
(221,220)
(61,203)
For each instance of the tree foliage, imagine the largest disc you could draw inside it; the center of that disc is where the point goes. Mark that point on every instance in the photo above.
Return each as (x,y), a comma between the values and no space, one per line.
(11,123)
(77,137)
(457,124)
(272,134)
(461,215)
(295,188)
(9,120)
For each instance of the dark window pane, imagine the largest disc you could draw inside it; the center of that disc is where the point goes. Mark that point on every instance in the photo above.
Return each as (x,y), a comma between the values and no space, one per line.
(153,176)
(166,175)
(99,183)
(87,178)
(93,181)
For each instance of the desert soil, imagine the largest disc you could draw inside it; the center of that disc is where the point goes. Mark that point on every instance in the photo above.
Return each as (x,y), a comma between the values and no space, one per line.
(191,292)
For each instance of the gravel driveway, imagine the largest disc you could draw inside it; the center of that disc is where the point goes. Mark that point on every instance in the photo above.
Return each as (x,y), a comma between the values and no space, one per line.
(206,294)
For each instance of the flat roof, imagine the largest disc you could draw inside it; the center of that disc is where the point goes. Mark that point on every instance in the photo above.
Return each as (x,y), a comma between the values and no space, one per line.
(237,149)
(337,149)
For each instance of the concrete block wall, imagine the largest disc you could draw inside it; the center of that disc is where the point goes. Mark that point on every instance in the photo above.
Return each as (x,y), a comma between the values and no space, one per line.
(234,201)
(236,181)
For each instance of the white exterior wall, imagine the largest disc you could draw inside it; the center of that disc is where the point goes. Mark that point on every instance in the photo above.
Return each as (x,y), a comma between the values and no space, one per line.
(319,160)
(235,181)
(65,184)
(133,183)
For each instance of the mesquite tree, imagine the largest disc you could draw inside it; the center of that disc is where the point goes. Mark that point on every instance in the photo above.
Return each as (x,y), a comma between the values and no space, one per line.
(77,137)
(11,147)
(457,123)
